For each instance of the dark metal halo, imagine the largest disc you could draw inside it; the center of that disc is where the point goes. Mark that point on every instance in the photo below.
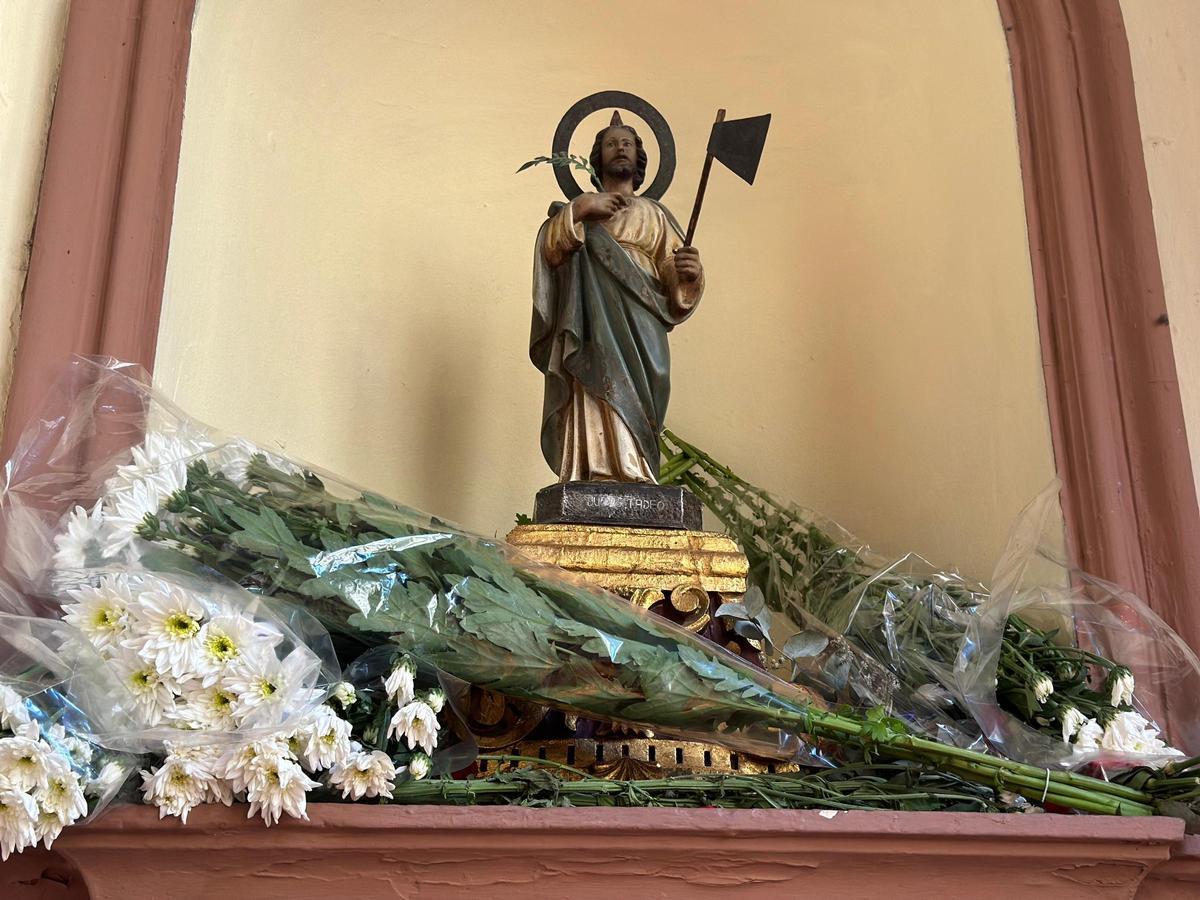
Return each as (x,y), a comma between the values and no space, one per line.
(631,103)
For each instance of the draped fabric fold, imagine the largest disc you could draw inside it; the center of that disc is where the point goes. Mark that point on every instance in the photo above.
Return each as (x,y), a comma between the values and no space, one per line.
(599,335)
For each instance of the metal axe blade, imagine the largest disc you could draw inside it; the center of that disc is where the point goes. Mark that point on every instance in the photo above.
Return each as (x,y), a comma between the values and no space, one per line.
(738,144)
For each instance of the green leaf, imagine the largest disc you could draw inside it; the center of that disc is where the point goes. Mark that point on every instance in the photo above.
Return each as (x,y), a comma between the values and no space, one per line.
(263,531)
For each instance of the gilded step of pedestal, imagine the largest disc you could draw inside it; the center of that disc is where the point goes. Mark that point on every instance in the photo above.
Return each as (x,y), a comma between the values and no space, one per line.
(625,759)
(630,559)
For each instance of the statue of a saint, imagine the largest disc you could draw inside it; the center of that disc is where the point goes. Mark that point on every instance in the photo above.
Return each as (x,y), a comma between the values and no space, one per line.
(611,277)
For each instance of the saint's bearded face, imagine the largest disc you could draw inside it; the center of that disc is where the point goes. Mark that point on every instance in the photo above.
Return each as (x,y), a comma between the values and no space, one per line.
(618,152)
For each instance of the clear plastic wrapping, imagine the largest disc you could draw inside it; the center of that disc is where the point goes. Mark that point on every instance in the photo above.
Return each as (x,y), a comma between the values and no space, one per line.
(54,772)
(116,482)
(1051,666)
(1136,701)
(114,476)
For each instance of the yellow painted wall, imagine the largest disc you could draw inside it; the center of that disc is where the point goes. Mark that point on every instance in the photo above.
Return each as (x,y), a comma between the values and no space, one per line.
(351,256)
(31,35)
(1164,46)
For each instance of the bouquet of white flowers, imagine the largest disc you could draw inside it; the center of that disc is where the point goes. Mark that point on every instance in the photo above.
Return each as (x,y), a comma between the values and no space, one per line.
(52,771)
(212,688)
(115,478)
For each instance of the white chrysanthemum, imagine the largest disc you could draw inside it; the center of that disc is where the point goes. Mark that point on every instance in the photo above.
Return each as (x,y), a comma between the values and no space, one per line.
(278,786)
(399,683)
(419,766)
(344,694)
(270,689)
(13,712)
(211,758)
(81,542)
(417,723)
(126,512)
(186,779)
(1121,686)
(233,461)
(18,820)
(242,763)
(1129,732)
(436,698)
(165,623)
(159,462)
(205,708)
(27,764)
(62,797)
(1089,734)
(323,739)
(77,751)
(110,777)
(364,775)
(175,788)
(228,639)
(153,692)
(48,828)
(101,610)
(1043,688)
(1072,720)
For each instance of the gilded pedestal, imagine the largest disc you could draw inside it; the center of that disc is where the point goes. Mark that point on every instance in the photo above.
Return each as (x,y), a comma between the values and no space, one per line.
(682,575)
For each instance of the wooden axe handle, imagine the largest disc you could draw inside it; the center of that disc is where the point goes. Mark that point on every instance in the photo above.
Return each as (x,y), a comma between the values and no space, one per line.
(691,232)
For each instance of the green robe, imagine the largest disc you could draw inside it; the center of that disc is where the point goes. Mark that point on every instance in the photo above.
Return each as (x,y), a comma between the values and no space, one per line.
(601,320)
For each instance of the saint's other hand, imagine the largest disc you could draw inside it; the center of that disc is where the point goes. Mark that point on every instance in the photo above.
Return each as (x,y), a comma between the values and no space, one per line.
(687,264)
(598,207)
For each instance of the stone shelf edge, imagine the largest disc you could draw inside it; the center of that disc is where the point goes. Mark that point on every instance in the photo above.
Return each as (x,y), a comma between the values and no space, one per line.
(367,851)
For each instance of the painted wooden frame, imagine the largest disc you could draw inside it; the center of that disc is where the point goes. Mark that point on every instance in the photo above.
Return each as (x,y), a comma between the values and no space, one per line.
(99,253)
(1129,497)
(516,853)
(104,221)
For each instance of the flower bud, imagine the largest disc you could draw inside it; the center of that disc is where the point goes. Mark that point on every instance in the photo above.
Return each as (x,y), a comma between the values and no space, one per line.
(344,694)
(436,699)
(419,765)
(148,528)
(1043,687)
(1072,720)
(399,684)
(1120,686)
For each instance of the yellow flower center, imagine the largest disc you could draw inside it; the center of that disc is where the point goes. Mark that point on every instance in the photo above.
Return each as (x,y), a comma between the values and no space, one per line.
(106,619)
(181,626)
(221,647)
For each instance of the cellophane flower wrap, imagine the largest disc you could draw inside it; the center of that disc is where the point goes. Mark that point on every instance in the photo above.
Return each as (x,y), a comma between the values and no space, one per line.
(1049,665)
(210,687)
(222,693)
(116,477)
(54,770)
(1059,667)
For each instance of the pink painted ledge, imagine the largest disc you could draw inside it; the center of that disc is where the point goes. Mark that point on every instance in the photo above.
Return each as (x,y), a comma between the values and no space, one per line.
(366,851)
